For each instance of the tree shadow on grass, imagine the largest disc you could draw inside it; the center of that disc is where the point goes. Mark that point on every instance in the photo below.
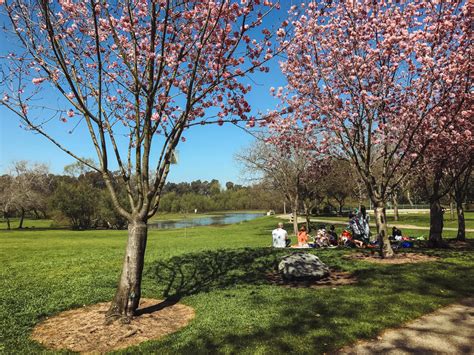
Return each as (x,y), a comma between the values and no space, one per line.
(321,326)
(327,320)
(322,320)
(193,273)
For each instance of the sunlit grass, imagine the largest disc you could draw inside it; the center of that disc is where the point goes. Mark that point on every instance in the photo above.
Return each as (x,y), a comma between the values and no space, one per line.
(237,310)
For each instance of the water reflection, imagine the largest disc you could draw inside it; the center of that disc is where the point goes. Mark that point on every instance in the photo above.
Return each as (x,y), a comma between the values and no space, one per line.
(227,218)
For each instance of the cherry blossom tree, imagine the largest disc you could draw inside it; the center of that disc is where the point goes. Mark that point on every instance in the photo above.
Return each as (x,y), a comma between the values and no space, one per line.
(136,74)
(290,161)
(340,183)
(383,79)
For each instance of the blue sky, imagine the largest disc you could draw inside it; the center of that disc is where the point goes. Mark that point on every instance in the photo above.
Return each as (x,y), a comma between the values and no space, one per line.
(208,152)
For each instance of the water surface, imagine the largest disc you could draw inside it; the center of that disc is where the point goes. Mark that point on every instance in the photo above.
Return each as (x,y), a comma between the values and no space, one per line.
(225,218)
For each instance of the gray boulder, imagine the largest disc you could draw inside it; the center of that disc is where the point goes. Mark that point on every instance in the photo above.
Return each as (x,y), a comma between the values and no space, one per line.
(302,266)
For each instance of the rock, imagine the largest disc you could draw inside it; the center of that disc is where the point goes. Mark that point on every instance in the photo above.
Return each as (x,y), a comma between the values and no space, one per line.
(302,266)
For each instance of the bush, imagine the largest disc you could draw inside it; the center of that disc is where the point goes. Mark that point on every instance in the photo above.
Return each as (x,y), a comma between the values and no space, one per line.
(78,203)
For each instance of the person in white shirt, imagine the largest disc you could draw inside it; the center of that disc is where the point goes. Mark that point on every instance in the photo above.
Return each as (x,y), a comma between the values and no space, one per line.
(280,237)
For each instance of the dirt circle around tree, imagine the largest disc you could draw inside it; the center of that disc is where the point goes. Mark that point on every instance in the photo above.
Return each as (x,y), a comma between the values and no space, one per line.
(398,258)
(84,329)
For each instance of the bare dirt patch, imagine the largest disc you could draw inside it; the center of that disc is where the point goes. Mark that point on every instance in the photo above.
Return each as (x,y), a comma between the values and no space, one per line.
(84,329)
(336,278)
(399,258)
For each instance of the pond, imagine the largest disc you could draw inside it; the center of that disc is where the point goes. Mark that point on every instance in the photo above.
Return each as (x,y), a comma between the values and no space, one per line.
(226,218)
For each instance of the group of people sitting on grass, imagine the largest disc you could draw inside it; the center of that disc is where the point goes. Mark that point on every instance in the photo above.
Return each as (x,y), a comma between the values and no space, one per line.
(356,234)
(322,238)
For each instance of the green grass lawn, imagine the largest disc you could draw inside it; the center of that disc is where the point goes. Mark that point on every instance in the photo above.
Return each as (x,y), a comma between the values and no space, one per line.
(223,277)
(29,223)
(423,219)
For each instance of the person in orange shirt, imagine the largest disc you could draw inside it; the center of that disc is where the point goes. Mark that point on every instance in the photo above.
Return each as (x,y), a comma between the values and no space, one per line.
(303,237)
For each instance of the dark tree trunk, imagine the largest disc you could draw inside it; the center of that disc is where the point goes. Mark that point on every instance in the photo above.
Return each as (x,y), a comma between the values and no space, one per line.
(436,214)
(461,186)
(127,296)
(7,217)
(461,236)
(22,218)
(341,204)
(306,213)
(37,216)
(386,250)
(436,223)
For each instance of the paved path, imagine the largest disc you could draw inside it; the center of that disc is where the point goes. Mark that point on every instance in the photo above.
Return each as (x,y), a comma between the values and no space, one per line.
(402,226)
(449,330)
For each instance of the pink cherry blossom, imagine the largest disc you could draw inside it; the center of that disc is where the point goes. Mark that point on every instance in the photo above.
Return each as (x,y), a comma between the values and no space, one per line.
(380,79)
(141,73)
(37,81)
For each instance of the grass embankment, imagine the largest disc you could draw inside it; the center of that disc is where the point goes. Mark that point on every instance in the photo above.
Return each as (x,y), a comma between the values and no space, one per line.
(29,223)
(237,310)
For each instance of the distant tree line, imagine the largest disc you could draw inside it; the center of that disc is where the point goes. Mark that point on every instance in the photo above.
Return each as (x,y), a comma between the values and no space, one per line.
(78,198)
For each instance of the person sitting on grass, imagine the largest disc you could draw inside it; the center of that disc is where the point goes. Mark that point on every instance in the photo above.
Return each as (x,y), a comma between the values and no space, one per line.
(362,219)
(280,237)
(345,239)
(396,233)
(357,235)
(303,237)
(321,239)
(332,235)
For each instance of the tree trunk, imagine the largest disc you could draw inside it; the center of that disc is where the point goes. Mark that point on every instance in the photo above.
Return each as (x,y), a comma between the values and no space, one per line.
(295,220)
(127,295)
(436,222)
(410,201)
(359,186)
(396,216)
(306,213)
(22,218)
(461,236)
(461,187)
(7,217)
(451,208)
(386,250)
(294,213)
